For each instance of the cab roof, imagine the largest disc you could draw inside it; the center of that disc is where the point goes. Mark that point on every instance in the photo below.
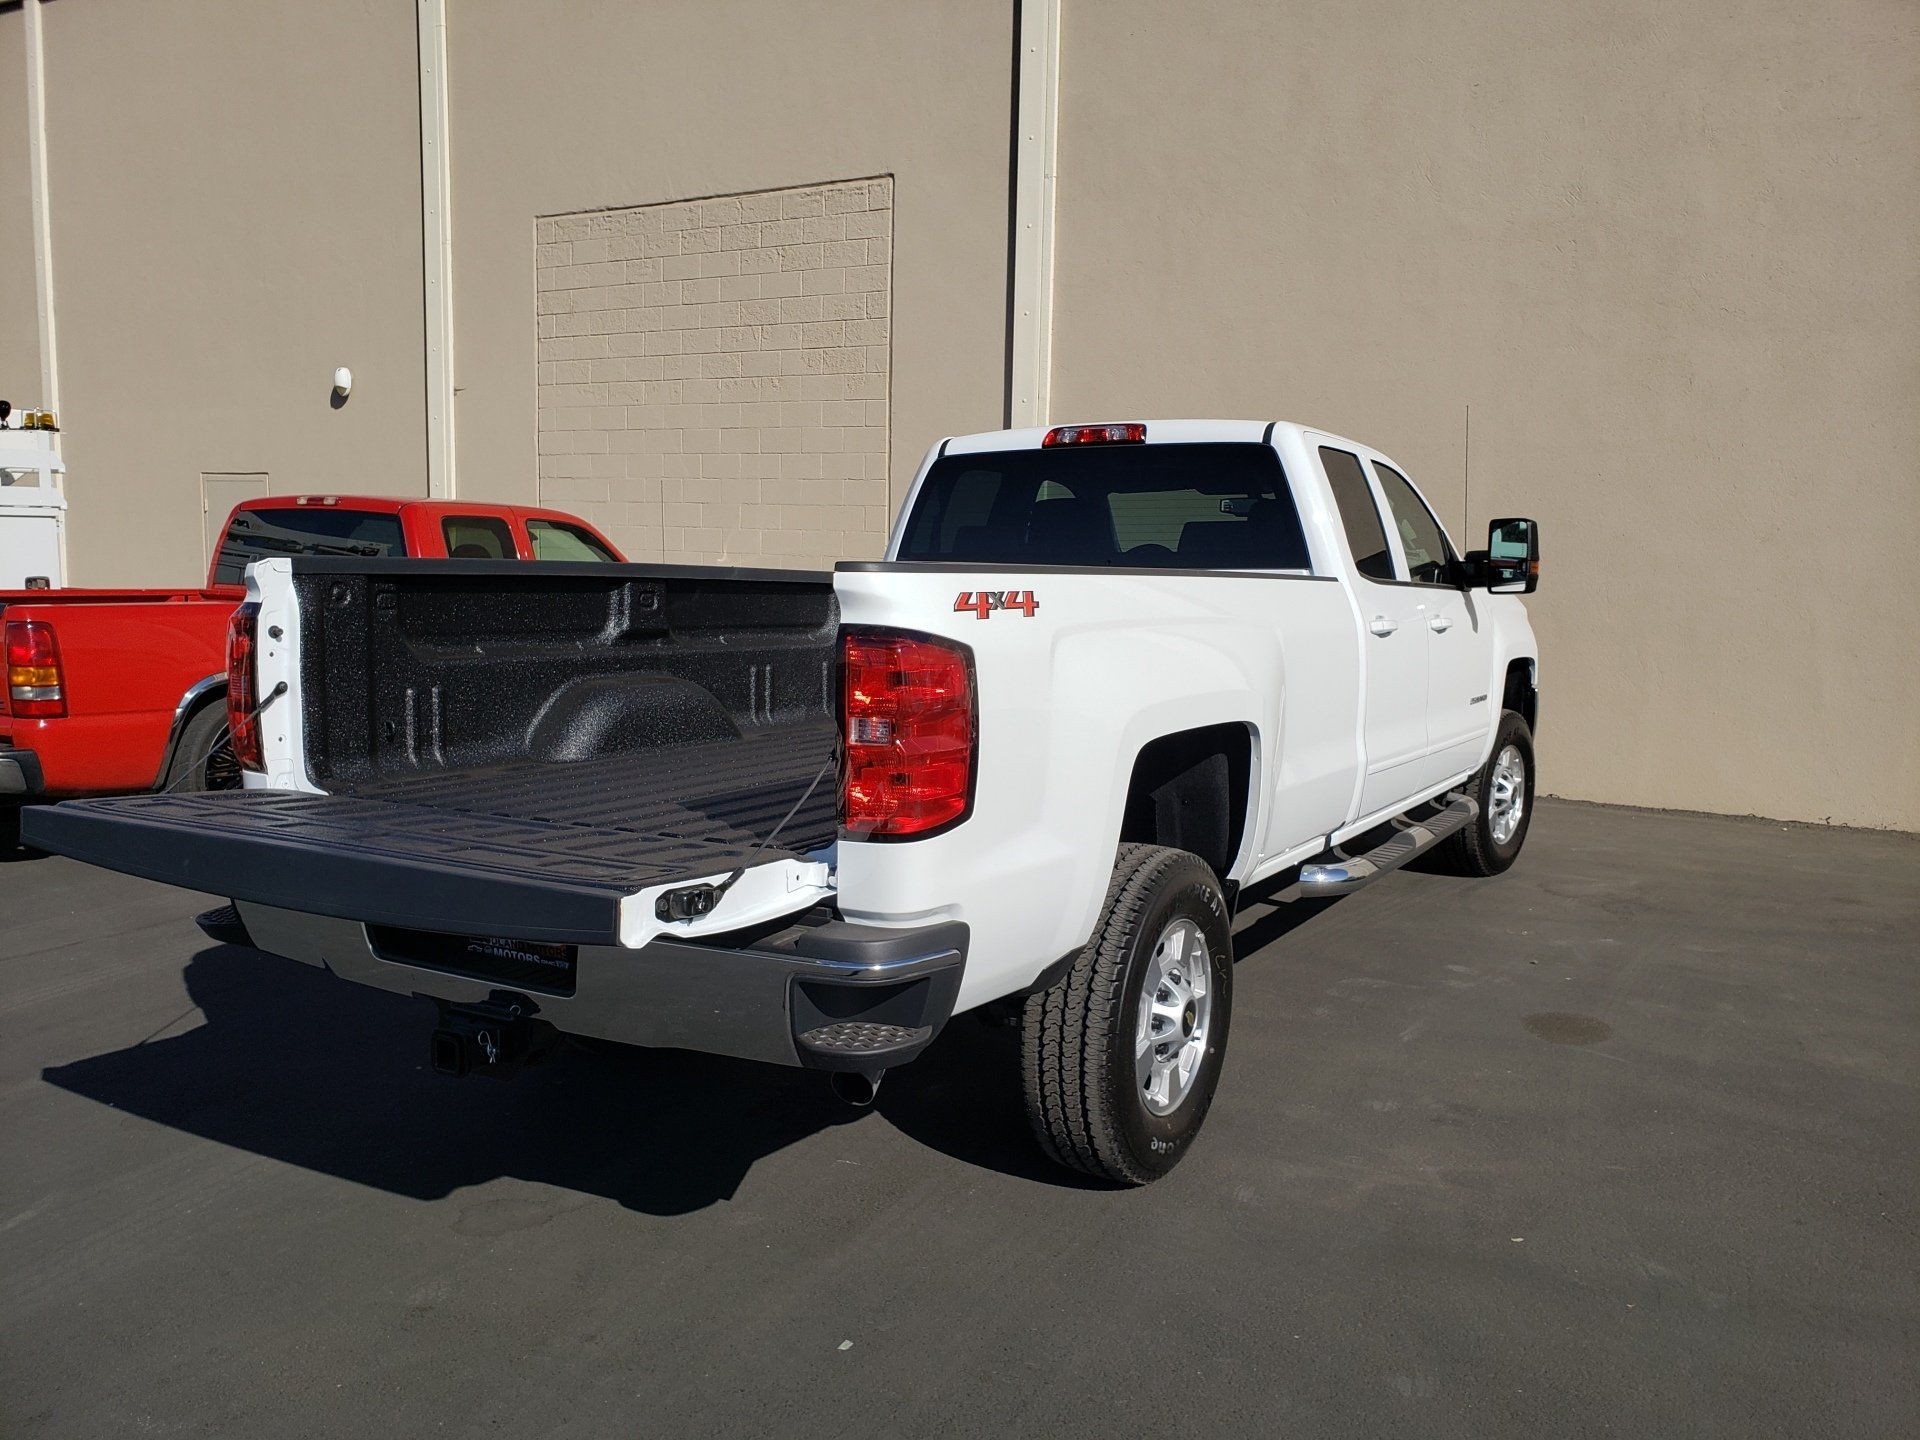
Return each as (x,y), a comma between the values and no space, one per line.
(394,505)
(1158,432)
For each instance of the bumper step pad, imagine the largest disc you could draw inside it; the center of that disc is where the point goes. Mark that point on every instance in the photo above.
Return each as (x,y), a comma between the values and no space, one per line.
(863,1037)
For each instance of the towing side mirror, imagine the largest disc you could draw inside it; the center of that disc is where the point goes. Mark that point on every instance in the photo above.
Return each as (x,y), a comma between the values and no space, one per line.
(1512,566)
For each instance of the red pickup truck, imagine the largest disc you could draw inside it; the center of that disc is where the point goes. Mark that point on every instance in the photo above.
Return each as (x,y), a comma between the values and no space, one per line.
(109,691)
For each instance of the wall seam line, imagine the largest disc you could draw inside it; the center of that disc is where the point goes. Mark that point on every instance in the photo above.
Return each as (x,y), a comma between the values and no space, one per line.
(42,218)
(1037,126)
(436,235)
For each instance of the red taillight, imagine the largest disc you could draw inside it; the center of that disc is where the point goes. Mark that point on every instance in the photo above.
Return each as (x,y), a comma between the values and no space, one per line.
(34,691)
(1131,432)
(907,708)
(243,691)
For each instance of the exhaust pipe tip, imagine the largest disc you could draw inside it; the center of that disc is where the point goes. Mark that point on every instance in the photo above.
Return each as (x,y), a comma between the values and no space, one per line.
(857,1088)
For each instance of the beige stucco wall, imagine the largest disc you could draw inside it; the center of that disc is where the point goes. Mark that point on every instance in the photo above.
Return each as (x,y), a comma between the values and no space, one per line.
(19,327)
(1666,254)
(236,211)
(560,108)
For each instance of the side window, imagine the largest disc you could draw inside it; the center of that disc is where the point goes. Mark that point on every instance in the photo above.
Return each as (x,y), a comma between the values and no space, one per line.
(1359,516)
(477,537)
(1429,560)
(554,541)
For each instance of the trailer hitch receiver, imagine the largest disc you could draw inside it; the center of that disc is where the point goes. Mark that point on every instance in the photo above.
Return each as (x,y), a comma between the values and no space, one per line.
(496,1037)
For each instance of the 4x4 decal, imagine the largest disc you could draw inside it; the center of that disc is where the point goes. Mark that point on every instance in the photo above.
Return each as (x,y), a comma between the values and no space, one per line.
(984,602)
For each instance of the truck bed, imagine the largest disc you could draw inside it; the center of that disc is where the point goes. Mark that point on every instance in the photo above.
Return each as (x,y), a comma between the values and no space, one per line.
(513,749)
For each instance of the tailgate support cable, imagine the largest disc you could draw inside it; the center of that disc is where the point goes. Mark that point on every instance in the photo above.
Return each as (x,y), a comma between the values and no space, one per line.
(693,901)
(227,730)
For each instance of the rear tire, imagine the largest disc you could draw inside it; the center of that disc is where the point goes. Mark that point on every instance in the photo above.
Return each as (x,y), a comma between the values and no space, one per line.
(1504,791)
(1121,1058)
(203,760)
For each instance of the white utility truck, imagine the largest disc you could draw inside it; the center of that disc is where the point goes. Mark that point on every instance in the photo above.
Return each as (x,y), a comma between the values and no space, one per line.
(33,507)
(1110,681)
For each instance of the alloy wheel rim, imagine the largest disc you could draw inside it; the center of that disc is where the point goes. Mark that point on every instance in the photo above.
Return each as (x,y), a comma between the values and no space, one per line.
(1507,795)
(1176,1013)
(223,771)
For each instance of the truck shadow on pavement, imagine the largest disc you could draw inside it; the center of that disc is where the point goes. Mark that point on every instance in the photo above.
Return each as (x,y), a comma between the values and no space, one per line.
(292,1064)
(12,852)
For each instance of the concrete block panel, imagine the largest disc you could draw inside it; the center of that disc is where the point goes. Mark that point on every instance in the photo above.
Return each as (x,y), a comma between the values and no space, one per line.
(766,319)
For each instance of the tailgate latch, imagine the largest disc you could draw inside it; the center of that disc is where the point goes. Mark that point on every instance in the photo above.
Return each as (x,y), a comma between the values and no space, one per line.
(689,902)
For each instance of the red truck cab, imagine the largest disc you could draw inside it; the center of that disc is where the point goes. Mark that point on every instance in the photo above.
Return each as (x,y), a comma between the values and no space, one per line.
(113,691)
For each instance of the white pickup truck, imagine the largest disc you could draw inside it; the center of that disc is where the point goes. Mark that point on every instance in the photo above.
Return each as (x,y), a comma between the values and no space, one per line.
(1110,681)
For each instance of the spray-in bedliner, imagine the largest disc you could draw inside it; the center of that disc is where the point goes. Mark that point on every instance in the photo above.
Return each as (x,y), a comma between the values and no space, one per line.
(724,793)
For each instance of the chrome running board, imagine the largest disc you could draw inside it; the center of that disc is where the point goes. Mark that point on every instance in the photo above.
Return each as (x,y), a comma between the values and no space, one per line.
(1342,877)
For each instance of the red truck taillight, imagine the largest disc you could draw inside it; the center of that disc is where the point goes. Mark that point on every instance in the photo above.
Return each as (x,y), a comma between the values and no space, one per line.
(243,691)
(909,737)
(34,691)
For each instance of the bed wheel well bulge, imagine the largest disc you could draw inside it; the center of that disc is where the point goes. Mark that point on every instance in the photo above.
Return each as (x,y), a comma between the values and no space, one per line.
(1189,791)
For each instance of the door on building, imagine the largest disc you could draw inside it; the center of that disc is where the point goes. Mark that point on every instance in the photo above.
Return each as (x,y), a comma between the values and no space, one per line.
(220,491)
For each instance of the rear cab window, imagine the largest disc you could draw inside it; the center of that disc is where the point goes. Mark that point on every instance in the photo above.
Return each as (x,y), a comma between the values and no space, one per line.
(303,530)
(1208,506)
(477,537)
(553,540)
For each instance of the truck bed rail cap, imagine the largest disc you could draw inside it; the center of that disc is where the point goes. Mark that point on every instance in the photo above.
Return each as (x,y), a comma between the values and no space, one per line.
(359,565)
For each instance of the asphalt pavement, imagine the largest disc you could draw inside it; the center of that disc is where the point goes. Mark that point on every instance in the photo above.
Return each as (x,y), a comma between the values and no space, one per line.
(1621,1143)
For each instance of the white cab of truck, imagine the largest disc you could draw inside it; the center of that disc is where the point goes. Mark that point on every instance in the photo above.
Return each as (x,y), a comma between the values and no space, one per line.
(1110,682)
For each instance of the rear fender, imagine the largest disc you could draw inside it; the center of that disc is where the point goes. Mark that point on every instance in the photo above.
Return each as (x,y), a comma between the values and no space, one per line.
(200,694)
(1068,698)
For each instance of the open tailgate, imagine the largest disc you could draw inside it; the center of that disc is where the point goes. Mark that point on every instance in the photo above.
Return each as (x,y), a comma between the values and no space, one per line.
(569,853)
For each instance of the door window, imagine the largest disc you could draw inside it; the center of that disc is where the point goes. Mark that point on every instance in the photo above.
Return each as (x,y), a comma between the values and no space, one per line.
(477,537)
(1429,557)
(1359,516)
(555,541)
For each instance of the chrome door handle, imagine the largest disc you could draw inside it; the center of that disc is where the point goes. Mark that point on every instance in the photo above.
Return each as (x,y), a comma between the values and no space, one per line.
(1441,624)
(1382,626)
